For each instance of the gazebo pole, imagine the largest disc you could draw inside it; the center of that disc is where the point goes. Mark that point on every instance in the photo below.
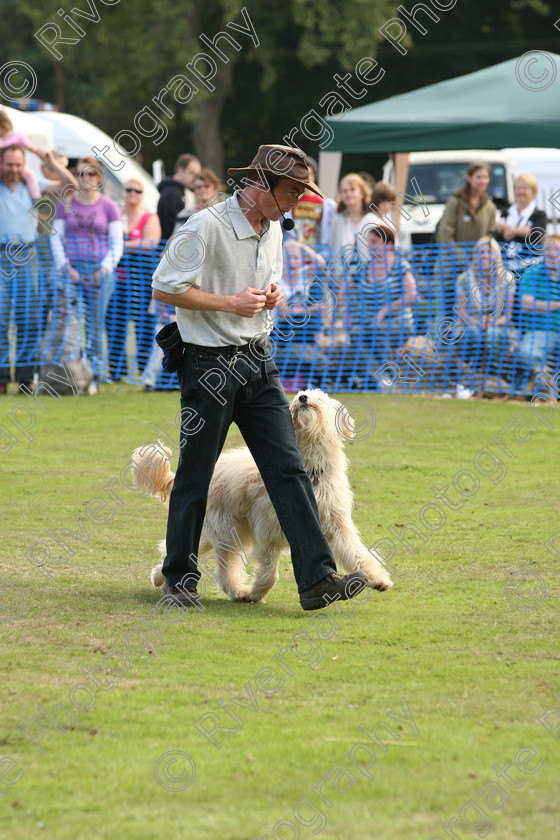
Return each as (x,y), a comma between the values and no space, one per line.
(329,172)
(400,168)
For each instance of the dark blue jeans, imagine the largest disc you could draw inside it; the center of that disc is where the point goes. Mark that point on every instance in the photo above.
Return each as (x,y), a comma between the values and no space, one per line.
(261,411)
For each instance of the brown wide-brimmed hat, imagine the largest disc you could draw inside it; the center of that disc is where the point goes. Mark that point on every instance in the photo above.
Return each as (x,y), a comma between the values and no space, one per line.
(282,161)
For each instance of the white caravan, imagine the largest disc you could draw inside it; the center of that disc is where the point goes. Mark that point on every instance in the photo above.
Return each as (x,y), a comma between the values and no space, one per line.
(75,137)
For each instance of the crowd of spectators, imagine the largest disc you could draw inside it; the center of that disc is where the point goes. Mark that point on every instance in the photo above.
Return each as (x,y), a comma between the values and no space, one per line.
(497,282)
(353,301)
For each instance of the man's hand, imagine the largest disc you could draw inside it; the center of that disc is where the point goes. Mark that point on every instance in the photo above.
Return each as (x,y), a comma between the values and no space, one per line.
(45,155)
(249,302)
(274,296)
(49,163)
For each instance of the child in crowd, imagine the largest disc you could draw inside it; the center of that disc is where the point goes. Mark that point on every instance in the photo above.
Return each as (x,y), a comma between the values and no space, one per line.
(9,137)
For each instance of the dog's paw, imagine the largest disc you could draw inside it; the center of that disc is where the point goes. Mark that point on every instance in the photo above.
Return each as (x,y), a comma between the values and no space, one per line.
(379,580)
(381,586)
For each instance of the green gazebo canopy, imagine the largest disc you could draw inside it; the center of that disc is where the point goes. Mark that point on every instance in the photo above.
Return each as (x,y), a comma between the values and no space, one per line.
(515,103)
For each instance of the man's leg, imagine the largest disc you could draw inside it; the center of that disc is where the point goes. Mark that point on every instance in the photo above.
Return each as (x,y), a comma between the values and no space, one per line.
(266,425)
(197,458)
(7,289)
(27,318)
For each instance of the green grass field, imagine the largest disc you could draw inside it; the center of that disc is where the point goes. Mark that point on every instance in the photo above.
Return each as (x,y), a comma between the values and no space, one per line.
(476,672)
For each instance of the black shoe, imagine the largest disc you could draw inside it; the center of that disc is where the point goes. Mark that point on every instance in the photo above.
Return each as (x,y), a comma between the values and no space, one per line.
(147,389)
(334,587)
(186,596)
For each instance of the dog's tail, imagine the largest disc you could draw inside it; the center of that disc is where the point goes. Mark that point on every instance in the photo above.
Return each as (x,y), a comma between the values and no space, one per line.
(150,470)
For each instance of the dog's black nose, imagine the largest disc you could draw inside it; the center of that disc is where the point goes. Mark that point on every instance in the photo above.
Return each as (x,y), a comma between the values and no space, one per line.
(303,398)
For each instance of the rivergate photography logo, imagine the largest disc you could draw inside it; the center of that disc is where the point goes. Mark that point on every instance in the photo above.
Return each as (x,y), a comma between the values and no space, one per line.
(536,71)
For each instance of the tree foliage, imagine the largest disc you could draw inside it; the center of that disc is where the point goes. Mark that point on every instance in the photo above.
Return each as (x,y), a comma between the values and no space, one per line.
(138,46)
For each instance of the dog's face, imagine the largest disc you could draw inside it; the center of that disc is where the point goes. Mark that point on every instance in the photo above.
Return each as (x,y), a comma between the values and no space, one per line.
(315,413)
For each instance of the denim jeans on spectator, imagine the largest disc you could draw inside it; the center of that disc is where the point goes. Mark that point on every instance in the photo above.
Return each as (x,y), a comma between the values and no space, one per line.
(19,300)
(479,344)
(130,302)
(261,411)
(371,347)
(91,305)
(536,348)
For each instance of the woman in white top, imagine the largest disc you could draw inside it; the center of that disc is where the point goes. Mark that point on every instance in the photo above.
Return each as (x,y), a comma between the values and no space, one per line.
(522,226)
(353,220)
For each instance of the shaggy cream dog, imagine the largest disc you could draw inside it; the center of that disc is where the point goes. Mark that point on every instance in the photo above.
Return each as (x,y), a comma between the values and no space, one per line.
(238,503)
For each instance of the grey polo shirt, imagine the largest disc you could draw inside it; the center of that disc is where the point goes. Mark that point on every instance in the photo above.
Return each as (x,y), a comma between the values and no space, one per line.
(218,251)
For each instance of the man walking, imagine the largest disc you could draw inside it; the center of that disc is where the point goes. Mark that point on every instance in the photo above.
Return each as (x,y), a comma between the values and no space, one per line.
(223,300)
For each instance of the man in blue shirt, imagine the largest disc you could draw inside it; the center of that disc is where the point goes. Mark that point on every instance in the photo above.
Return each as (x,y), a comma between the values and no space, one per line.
(540,304)
(19,265)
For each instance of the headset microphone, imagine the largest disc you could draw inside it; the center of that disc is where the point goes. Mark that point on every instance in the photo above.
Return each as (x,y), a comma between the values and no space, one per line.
(287,224)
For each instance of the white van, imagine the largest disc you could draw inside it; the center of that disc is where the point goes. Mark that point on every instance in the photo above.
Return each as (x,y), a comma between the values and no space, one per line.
(438,176)
(75,137)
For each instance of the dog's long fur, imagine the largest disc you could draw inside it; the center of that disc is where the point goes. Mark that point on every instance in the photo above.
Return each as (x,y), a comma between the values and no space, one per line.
(239,503)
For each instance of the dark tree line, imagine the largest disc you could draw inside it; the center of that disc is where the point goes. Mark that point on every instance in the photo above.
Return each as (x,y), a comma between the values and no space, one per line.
(132,49)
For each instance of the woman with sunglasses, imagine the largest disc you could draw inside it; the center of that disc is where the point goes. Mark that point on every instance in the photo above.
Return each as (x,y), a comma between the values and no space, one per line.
(208,190)
(142,233)
(88,246)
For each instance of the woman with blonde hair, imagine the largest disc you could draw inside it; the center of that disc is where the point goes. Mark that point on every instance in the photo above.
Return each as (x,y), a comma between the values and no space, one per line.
(352,222)
(485,293)
(522,226)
